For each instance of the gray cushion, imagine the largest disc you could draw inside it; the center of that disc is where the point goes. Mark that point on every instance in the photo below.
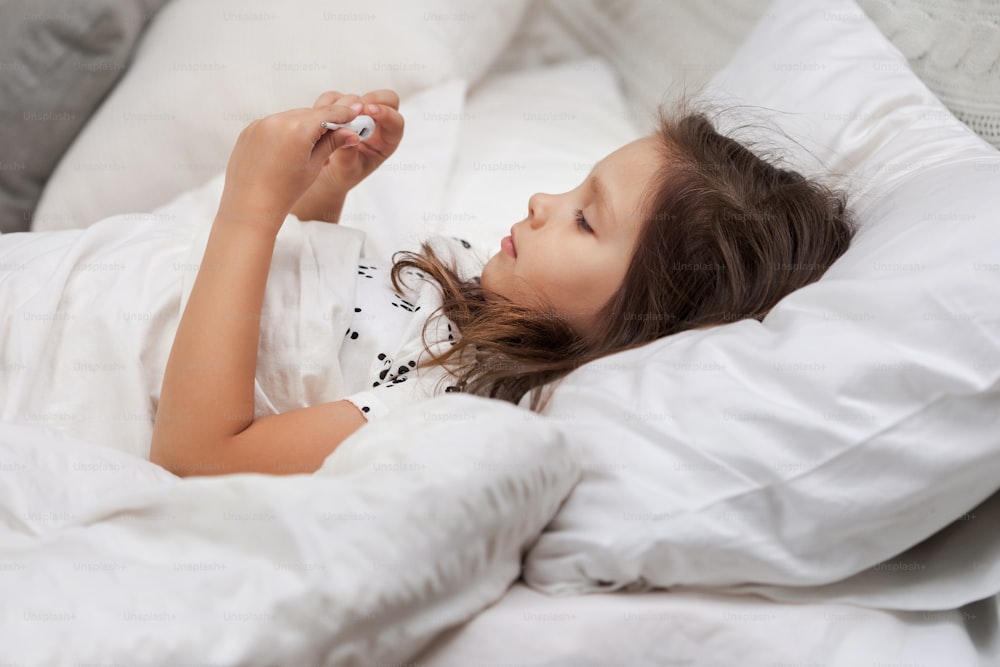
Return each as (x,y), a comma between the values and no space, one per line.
(58,59)
(954,47)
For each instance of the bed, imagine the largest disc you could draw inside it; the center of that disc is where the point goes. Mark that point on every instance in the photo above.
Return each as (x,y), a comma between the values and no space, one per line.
(819,488)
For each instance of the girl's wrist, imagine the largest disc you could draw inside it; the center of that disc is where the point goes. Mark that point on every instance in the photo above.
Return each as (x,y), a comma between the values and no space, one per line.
(325,208)
(249,220)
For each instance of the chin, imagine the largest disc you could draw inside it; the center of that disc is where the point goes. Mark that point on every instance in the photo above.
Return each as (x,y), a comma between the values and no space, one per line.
(486,277)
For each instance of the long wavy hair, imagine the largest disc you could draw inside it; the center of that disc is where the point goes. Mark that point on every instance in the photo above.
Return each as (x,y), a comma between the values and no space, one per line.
(725,236)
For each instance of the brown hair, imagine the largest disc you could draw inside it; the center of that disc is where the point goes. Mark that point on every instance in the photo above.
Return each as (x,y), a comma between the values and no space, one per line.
(726,235)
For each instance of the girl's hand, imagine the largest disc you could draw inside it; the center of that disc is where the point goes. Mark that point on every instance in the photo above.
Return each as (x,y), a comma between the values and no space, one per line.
(276,159)
(346,168)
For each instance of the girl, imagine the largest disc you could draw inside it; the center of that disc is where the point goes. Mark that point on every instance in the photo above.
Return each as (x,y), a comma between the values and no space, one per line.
(682,229)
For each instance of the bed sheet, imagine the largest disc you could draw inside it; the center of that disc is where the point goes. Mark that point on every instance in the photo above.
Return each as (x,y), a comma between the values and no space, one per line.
(531,629)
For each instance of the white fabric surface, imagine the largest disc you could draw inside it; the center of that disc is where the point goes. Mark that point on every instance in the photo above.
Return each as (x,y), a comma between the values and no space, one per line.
(84,305)
(205,69)
(860,417)
(703,629)
(692,620)
(108,558)
(658,49)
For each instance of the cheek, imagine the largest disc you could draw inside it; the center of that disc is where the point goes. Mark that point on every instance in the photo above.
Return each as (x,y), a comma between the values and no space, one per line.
(581,285)
(501,277)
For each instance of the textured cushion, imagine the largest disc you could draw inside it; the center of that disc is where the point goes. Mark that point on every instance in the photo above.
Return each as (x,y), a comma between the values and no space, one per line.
(58,59)
(205,70)
(954,47)
(855,421)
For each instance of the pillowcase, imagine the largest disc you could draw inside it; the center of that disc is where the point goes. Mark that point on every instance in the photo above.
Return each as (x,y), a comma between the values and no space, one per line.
(855,421)
(57,61)
(205,70)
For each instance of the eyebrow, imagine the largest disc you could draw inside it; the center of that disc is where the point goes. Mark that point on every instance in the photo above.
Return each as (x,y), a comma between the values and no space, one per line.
(601,193)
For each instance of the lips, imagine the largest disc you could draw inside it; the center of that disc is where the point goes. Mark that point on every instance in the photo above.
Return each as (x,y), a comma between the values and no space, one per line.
(508,246)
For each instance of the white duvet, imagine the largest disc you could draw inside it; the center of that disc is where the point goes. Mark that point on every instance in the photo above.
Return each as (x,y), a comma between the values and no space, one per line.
(105,557)
(90,316)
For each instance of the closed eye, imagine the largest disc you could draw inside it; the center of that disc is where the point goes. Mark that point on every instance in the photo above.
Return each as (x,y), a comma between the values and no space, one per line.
(582,223)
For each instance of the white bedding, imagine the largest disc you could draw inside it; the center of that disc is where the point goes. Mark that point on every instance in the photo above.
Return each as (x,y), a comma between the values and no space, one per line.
(668,629)
(154,569)
(118,560)
(82,306)
(106,558)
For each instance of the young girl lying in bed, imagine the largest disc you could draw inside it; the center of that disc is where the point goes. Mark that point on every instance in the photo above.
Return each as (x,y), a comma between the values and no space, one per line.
(682,229)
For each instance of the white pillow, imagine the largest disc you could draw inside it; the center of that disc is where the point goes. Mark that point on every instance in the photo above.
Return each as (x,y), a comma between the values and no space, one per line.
(205,70)
(521,133)
(658,48)
(859,418)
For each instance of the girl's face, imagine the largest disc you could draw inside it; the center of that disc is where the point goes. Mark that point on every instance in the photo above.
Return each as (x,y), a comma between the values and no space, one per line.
(574,248)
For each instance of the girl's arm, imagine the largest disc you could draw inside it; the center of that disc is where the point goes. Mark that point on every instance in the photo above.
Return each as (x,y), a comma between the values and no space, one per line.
(205,419)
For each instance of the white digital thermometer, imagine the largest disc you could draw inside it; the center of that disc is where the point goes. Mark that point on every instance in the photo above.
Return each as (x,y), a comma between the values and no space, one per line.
(363,126)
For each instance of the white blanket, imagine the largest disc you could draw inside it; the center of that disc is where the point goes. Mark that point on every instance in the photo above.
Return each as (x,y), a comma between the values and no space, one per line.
(105,557)
(89,317)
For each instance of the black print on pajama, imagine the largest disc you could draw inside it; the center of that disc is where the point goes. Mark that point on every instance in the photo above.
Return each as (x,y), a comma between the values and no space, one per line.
(401,373)
(353,335)
(415,274)
(386,367)
(389,376)
(465,244)
(400,302)
(366,270)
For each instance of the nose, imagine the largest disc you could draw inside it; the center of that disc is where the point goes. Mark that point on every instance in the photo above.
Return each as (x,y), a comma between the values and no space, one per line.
(538,207)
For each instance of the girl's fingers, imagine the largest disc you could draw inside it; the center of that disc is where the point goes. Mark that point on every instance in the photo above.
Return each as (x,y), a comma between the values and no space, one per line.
(333,97)
(329,97)
(331,141)
(383,96)
(324,140)
(388,123)
(334,113)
